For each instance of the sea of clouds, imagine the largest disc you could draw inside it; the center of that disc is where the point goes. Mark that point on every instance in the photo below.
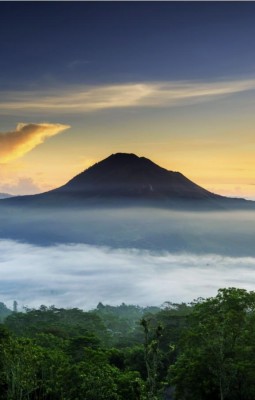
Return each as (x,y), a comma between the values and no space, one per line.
(79,275)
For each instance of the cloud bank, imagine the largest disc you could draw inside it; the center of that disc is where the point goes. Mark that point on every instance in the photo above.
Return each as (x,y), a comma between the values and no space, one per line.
(77,99)
(25,137)
(21,185)
(81,275)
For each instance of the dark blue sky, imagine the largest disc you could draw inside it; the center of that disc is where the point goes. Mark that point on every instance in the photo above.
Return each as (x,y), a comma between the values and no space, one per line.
(97,42)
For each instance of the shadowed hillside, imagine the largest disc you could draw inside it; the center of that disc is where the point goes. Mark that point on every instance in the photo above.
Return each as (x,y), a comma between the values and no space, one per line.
(128,180)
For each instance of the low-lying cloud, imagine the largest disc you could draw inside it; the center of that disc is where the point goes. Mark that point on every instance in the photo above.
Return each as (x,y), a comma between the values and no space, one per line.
(25,137)
(20,186)
(79,275)
(77,99)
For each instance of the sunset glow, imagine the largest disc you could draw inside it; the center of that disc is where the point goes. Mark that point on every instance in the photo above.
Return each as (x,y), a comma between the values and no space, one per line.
(170,82)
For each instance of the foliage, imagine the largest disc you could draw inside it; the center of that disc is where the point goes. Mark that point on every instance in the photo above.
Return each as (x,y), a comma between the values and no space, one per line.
(4,312)
(216,359)
(202,351)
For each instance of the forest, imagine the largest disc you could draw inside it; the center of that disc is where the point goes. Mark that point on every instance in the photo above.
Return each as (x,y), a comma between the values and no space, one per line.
(199,351)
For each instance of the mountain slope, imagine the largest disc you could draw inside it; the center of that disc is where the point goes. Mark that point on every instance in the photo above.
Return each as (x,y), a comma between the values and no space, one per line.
(126,179)
(127,175)
(127,201)
(5,195)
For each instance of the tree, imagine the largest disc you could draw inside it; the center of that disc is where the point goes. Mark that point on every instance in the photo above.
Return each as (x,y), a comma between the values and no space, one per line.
(20,364)
(217,349)
(151,355)
(4,342)
(15,306)
(4,312)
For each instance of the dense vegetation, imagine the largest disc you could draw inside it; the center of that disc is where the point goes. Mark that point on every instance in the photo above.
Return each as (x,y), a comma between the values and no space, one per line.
(201,351)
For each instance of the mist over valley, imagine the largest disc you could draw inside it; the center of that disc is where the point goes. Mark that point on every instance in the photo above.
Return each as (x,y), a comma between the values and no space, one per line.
(81,275)
(126,201)
(124,230)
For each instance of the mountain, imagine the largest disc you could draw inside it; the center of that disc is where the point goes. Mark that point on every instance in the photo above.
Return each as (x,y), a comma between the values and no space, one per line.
(130,176)
(5,195)
(127,201)
(123,179)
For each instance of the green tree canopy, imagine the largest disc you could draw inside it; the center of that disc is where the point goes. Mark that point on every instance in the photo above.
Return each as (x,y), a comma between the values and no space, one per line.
(216,359)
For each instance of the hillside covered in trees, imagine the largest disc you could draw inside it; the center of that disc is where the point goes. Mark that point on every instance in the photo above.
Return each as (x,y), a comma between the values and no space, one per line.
(199,351)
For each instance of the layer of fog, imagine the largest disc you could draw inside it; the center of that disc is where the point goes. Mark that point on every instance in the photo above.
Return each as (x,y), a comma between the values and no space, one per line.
(79,275)
(229,233)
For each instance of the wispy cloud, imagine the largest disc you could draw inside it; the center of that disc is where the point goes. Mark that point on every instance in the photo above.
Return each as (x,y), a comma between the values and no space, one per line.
(25,137)
(81,275)
(77,99)
(77,64)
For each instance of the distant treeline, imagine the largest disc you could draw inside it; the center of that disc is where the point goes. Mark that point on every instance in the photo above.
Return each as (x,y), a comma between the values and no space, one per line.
(199,351)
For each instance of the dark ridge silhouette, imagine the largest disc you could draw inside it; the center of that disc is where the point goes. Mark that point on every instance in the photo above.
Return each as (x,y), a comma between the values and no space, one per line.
(5,195)
(126,179)
(127,175)
(127,201)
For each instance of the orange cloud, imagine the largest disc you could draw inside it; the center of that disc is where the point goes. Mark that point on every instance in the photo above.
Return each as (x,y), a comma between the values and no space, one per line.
(25,137)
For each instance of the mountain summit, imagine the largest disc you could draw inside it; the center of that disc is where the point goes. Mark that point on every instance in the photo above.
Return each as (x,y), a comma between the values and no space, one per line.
(126,179)
(125,201)
(130,176)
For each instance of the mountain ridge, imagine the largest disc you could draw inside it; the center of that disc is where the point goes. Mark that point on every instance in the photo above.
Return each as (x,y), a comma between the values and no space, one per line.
(127,174)
(126,178)
(5,195)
